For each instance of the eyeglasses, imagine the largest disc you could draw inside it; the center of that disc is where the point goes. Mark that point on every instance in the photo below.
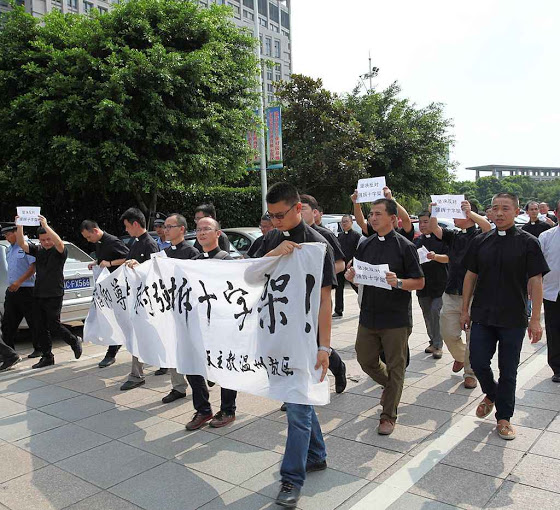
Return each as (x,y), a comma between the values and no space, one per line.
(204,230)
(280,216)
(169,227)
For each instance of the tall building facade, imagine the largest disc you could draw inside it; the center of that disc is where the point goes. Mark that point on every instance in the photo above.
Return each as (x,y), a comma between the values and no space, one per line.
(274,25)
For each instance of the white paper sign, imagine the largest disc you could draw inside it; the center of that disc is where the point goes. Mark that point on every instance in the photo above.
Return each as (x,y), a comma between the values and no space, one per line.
(423,255)
(28,216)
(249,325)
(370,189)
(448,206)
(369,274)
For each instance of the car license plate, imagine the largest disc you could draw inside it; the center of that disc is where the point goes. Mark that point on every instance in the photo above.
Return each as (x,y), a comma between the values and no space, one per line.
(77,283)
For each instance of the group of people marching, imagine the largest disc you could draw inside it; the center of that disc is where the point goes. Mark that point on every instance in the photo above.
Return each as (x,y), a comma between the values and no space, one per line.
(477,279)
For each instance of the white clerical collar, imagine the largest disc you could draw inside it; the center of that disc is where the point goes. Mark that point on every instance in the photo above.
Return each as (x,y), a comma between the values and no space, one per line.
(502,232)
(137,239)
(381,238)
(286,233)
(205,254)
(533,223)
(464,230)
(428,235)
(173,247)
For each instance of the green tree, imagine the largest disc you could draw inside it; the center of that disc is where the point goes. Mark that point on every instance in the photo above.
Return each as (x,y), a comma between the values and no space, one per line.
(154,94)
(412,143)
(325,150)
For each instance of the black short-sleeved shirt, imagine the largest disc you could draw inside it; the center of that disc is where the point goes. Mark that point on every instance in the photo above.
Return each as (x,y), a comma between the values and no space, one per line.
(384,308)
(504,264)
(434,272)
(398,230)
(223,243)
(457,243)
(142,248)
(535,227)
(181,251)
(212,254)
(332,240)
(303,233)
(110,248)
(253,250)
(49,271)
(349,243)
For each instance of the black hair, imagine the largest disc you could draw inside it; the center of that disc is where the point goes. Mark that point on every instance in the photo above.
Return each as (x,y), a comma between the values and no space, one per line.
(41,230)
(390,205)
(132,215)
(207,209)
(88,225)
(320,208)
(349,216)
(531,202)
(282,192)
(309,200)
(512,196)
(181,220)
(425,213)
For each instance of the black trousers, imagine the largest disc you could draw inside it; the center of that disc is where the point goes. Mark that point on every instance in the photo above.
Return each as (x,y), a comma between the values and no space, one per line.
(47,320)
(201,396)
(552,325)
(339,292)
(112,350)
(17,305)
(6,352)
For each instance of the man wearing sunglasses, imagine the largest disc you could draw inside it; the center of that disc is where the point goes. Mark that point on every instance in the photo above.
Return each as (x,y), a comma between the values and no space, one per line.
(305,448)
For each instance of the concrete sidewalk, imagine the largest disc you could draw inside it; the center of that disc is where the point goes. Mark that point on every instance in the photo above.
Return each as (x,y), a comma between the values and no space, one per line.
(70,439)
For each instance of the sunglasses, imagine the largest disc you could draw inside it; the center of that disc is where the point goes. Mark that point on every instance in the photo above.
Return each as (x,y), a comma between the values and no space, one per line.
(280,216)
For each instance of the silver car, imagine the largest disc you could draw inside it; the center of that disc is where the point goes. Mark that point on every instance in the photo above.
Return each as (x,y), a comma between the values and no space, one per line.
(242,238)
(78,283)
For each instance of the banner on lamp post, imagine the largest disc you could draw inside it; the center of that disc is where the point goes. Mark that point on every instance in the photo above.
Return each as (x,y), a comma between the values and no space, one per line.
(274,137)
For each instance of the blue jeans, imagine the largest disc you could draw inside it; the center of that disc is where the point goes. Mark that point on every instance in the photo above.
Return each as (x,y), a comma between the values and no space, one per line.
(484,340)
(304,444)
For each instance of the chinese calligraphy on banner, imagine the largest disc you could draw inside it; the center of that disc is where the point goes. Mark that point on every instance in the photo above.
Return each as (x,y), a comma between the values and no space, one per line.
(249,325)
(448,206)
(370,274)
(274,136)
(370,189)
(253,142)
(28,216)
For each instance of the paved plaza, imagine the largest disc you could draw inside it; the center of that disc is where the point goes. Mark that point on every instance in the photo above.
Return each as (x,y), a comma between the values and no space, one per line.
(70,439)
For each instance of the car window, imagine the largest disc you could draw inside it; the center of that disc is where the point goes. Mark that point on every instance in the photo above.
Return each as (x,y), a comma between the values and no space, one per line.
(240,242)
(76,256)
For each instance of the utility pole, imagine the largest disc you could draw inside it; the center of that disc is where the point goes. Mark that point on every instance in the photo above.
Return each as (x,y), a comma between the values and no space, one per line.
(373,72)
(264,185)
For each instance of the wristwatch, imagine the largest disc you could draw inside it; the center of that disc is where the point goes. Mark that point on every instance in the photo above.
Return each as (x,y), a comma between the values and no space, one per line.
(328,350)
(399,283)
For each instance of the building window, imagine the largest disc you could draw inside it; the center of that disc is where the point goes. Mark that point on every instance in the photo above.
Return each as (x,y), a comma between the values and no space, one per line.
(88,6)
(269,74)
(102,10)
(248,15)
(278,72)
(277,49)
(236,10)
(285,19)
(262,22)
(274,13)
(269,87)
(270,98)
(249,3)
(268,46)
(274,28)
(263,7)
(72,3)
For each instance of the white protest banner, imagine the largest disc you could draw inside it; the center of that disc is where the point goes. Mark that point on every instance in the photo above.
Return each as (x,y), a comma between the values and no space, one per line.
(97,271)
(28,216)
(370,189)
(448,206)
(369,274)
(249,325)
(158,254)
(423,255)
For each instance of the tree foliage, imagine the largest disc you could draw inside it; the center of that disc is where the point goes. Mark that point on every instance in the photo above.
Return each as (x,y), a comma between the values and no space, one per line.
(154,94)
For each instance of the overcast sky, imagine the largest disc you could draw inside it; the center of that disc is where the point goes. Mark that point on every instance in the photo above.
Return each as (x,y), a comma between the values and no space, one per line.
(495,64)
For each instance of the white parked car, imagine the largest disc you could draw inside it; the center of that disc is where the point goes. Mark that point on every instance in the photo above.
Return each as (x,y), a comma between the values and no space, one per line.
(78,283)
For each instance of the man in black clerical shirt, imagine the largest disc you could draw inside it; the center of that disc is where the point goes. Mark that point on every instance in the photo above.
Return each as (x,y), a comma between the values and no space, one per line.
(110,252)
(305,449)
(435,273)
(209,211)
(457,243)
(140,251)
(501,266)
(535,226)
(208,234)
(386,315)
(309,210)
(348,240)
(48,292)
(265,226)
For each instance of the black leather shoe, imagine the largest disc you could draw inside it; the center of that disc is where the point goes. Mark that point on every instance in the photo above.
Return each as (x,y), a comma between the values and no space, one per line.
(7,364)
(316,466)
(77,348)
(340,380)
(288,495)
(45,361)
(211,384)
(35,354)
(172,396)
(283,407)
(556,378)
(129,385)
(106,362)
(161,371)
